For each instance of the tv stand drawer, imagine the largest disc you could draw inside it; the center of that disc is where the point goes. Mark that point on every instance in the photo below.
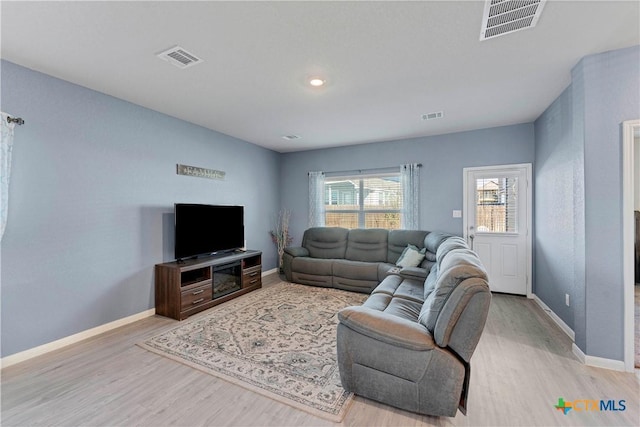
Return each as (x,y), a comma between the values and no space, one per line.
(252,276)
(196,296)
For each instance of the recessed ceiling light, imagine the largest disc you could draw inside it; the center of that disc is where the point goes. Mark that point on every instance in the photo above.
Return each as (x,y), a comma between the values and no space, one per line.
(316,81)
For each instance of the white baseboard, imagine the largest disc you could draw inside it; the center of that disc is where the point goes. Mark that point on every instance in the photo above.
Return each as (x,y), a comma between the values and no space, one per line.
(578,353)
(556,319)
(598,362)
(266,273)
(72,339)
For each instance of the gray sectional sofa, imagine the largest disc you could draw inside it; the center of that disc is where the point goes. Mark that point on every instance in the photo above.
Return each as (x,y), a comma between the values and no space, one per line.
(410,344)
(354,260)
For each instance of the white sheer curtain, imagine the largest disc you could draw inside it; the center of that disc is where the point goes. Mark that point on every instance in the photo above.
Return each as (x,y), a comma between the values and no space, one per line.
(410,179)
(316,199)
(5,169)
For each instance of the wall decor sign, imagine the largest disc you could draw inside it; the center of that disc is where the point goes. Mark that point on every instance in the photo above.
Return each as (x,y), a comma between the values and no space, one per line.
(200,172)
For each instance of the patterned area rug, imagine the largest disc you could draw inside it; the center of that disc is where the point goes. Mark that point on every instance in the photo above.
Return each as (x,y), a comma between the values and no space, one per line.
(279,341)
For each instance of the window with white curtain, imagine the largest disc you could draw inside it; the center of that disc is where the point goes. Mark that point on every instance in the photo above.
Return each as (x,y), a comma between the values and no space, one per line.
(364,201)
(381,198)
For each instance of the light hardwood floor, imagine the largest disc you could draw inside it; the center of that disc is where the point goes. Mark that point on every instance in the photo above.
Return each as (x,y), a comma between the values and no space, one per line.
(521,367)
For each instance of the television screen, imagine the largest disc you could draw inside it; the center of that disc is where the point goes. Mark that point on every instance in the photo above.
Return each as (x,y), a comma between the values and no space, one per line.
(206,229)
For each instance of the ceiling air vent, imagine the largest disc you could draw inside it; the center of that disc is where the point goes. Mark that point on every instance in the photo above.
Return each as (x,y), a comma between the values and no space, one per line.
(431,116)
(506,16)
(179,57)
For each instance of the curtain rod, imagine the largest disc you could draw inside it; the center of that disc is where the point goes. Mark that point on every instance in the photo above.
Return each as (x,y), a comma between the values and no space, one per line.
(17,120)
(360,171)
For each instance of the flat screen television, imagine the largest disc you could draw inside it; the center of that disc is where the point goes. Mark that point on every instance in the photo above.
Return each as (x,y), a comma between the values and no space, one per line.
(207,229)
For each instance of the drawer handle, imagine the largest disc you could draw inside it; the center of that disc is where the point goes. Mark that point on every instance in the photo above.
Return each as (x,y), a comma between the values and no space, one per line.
(198,292)
(253,281)
(198,301)
(255,273)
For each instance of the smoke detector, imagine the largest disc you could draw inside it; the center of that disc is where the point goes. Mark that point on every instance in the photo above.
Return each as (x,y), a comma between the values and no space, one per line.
(291,137)
(507,16)
(179,57)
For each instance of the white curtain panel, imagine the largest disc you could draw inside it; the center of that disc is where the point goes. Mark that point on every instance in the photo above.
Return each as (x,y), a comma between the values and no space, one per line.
(316,199)
(410,179)
(5,169)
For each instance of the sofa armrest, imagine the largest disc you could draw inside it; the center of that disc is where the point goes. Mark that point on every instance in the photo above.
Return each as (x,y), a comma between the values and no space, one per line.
(414,273)
(288,256)
(463,316)
(387,328)
(296,251)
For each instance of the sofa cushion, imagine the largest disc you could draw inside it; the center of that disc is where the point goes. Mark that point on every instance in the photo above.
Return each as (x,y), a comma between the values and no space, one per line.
(397,296)
(453,242)
(355,269)
(399,239)
(404,308)
(427,265)
(378,301)
(397,286)
(456,266)
(432,241)
(411,257)
(388,286)
(326,242)
(367,245)
(430,283)
(411,290)
(316,266)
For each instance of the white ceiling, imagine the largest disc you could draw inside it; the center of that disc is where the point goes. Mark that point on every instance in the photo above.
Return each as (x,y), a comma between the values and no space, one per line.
(386,63)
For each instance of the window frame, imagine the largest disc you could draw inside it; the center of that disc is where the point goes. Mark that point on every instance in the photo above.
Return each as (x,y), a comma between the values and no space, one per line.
(362,209)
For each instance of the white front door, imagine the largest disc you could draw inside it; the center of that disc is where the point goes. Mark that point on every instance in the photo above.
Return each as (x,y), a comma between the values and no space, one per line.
(497,217)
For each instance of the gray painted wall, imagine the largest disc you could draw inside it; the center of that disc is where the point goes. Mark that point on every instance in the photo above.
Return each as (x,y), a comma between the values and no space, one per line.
(555,199)
(579,199)
(559,210)
(91,199)
(443,157)
(93,185)
(611,96)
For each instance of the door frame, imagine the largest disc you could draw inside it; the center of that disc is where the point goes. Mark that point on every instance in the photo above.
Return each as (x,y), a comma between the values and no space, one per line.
(529,231)
(629,128)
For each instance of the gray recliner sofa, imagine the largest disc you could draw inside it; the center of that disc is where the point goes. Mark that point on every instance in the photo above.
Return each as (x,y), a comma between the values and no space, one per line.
(410,344)
(355,260)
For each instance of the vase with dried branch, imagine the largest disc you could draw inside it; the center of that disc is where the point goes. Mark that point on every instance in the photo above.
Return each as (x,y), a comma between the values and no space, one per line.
(280,235)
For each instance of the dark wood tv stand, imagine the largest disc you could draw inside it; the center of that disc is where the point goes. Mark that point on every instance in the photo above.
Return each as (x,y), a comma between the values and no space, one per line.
(184,288)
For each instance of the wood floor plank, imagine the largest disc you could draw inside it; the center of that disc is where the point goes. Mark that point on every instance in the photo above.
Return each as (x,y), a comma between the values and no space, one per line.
(522,365)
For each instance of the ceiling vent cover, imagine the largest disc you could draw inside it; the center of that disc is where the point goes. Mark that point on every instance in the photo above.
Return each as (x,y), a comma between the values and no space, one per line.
(506,16)
(179,57)
(431,116)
